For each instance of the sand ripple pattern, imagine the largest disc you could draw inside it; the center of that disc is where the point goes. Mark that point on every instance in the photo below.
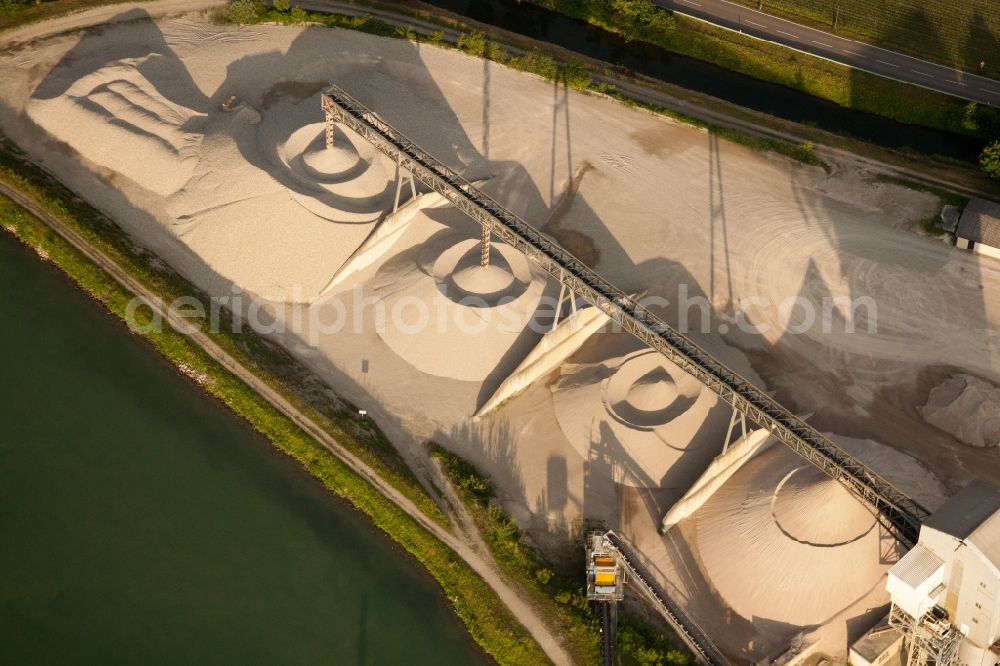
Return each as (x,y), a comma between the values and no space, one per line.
(130,127)
(184,32)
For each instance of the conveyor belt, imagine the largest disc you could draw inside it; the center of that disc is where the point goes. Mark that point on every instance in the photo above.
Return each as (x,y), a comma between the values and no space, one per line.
(898,513)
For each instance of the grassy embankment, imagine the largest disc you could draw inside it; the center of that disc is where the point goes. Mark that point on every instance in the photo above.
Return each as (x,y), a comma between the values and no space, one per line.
(561,597)
(842,85)
(487,619)
(958,34)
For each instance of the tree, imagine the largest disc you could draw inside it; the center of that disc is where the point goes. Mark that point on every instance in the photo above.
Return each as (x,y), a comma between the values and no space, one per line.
(245,11)
(990,160)
(970,117)
(644,20)
(9,7)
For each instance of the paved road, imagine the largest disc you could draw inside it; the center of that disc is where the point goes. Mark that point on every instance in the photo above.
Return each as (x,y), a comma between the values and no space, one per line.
(846,51)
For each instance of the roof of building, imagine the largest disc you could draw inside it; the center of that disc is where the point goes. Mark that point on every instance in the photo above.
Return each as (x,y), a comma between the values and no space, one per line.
(872,645)
(981,222)
(986,539)
(916,566)
(972,516)
(969,509)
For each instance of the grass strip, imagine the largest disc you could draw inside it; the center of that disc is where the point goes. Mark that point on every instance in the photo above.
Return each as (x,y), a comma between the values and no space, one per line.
(958,34)
(561,597)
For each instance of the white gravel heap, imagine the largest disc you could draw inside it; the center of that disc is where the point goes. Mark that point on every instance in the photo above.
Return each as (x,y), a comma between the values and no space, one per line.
(968,408)
(448,316)
(781,541)
(649,410)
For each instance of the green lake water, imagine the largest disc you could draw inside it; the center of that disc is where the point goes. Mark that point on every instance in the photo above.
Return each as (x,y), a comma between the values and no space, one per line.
(142,523)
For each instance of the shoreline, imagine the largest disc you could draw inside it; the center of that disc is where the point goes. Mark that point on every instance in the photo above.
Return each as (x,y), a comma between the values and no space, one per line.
(343,474)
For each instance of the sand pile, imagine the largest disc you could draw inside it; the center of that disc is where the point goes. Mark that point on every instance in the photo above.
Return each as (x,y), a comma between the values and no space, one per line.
(812,508)
(116,118)
(448,316)
(252,191)
(647,410)
(968,408)
(347,182)
(782,542)
(277,231)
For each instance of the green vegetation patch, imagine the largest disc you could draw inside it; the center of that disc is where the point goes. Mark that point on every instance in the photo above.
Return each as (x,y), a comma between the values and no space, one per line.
(561,597)
(990,160)
(245,12)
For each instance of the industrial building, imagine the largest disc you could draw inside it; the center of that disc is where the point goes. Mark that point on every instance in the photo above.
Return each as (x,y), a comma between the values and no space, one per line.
(945,592)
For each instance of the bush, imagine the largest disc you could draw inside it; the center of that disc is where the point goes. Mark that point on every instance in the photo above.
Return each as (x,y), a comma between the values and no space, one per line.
(641,645)
(496,53)
(473,43)
(11,7)
(298,15)
(576,76)
(406,33)
(970,117)
(538,63)
(990,160)
(245,12)
(644,19)
(281,5)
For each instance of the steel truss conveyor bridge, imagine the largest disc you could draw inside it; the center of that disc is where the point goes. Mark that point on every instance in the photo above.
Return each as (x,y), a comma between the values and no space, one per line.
(895,511)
